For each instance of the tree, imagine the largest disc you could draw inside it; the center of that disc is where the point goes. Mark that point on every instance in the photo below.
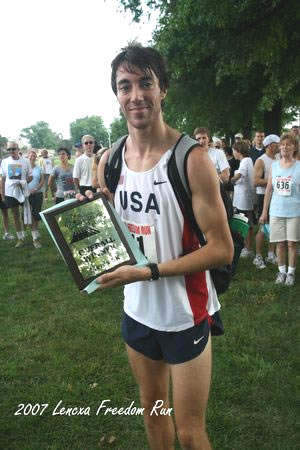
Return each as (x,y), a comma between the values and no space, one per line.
(41,136)
(118,128)
(3,143)
(92,125)
(234,65)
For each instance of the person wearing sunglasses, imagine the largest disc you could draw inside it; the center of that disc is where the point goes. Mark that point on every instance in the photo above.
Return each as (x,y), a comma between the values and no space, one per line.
(83,165)
(16,172)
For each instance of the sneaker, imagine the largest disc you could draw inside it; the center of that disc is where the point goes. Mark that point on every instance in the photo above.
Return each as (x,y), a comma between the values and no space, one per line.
(280,278)
(37,244)
(246,253)
(8,237)
(271,259)
(290,279)
(19,244)
(259,262)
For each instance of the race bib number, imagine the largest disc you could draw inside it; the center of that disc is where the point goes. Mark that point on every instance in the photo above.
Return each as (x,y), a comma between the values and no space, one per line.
(283,186)
(144,235)
(69,194)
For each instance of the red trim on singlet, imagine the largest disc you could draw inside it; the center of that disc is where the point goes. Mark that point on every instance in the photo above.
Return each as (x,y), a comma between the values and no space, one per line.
(195,283)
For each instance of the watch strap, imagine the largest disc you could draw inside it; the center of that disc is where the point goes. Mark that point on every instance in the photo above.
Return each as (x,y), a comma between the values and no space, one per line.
(155,275)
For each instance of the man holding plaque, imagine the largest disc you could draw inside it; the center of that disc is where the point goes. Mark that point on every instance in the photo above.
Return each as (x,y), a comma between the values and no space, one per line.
(169,303)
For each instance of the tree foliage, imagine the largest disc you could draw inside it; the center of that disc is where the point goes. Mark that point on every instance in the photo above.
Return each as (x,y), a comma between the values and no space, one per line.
(41,136)
(92,125)
(118,128)
(231,63)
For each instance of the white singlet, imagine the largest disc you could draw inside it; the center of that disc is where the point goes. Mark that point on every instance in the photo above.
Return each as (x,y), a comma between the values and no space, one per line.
(147,204)
(267,164)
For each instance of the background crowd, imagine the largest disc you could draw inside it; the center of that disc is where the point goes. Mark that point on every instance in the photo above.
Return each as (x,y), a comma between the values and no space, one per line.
(262,177)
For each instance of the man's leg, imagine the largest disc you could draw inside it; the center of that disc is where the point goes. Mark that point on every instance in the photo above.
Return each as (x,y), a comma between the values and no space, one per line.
(5,220)
(16,216)
(153,381)
(191,383)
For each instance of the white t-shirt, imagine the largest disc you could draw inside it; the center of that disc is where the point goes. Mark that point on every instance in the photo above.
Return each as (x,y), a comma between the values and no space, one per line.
(83,170)
(218,159)
(14,169)
(46,164)
(244,188)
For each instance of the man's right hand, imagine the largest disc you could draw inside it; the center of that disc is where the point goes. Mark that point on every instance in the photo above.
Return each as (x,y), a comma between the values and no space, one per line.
(90,195)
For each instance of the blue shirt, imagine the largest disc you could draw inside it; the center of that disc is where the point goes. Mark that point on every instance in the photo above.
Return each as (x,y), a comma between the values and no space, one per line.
(37,173)
(285,200)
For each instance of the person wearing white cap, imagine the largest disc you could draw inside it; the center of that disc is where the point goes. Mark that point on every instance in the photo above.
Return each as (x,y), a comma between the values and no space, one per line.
(283,196)
(238,137)
(261,173)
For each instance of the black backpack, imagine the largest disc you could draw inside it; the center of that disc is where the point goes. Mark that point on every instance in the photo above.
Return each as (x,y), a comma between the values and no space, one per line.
(177,176)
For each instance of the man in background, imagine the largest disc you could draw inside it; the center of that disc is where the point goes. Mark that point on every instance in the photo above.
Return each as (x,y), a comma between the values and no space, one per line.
(15,170)
(216,155)
(82,173)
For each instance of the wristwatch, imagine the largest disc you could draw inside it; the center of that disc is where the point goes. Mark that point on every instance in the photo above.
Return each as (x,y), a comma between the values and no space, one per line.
(154,271)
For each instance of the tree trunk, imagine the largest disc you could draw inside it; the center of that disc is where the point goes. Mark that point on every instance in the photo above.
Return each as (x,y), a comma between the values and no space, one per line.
(273,119)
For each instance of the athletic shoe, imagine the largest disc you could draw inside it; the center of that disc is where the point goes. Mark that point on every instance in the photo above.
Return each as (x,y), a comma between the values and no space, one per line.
(280,278)
(271,259)
(19,244)
(290,279)
(8,237)
(259,262)
(37,244)
(246,253)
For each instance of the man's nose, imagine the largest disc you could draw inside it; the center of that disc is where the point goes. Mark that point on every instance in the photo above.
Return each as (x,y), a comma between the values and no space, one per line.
(137,93)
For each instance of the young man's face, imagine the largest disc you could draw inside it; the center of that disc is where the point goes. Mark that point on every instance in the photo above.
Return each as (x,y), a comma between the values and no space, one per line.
(203,140)
(259,137)
(63,156)
(139,96)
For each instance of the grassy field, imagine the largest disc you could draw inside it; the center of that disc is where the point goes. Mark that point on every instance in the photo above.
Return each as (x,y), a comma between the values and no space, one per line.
(58,345)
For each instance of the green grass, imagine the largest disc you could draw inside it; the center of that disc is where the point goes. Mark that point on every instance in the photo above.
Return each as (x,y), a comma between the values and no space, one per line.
(57,344)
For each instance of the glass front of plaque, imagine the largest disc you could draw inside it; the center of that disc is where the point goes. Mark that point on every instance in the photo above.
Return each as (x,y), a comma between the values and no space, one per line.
(89,238)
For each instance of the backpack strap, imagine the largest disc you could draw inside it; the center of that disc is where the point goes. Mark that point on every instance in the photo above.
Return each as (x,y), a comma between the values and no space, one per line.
(113,166)
(177,173)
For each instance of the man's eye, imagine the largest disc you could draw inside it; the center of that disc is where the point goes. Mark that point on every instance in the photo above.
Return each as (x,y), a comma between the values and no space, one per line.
(124,88)
(146,84)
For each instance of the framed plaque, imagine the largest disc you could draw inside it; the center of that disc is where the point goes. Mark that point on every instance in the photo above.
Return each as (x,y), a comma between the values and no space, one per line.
(91,238)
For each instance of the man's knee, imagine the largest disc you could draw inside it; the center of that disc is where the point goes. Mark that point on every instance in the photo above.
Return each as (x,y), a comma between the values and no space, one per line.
(191,436)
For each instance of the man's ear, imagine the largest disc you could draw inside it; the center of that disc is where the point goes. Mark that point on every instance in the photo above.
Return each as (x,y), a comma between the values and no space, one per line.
(163,94)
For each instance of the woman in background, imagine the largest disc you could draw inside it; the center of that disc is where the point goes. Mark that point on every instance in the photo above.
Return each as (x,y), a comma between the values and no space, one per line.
(35,187)
(283,196)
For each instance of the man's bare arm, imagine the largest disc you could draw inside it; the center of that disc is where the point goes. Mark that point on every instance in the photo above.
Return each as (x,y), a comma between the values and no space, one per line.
(3,187)
(258,177)
(224,175)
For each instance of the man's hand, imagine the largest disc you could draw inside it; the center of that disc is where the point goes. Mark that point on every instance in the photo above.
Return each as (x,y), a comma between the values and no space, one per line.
(124,275)
(90,195)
